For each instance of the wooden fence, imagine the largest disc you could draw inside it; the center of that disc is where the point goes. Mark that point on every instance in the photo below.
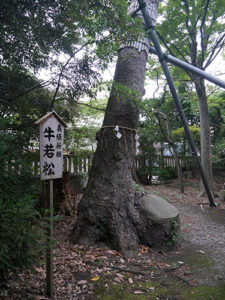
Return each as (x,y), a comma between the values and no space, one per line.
(75,165)
(166,161)
(81,165)
(71,163)
(186,162)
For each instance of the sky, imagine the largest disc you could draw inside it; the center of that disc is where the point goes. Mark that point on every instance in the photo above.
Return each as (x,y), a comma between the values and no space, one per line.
(217,68)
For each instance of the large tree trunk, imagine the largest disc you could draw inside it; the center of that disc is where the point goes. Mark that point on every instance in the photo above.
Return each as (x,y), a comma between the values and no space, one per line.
(205,134)
(107,212)
(112,210)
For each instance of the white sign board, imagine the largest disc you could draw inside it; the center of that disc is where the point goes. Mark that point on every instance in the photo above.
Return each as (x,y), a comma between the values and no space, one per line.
(51,146)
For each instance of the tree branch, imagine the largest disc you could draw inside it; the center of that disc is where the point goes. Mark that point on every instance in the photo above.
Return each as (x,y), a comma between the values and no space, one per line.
(166,137)
(157,81)
(213,53)
(166,42)
(214,90)
(62,70)
(40,85)
(196,22)
(187,16)
(90,106)
(204,37)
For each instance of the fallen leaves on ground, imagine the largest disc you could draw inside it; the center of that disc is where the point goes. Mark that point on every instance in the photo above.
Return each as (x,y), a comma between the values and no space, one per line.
(78,269)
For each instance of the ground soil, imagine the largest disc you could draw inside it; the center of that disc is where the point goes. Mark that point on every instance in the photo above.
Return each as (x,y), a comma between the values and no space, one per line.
(203,231)
(192,269)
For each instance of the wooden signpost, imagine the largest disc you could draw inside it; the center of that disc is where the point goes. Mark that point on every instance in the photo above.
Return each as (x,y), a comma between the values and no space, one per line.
(51,128)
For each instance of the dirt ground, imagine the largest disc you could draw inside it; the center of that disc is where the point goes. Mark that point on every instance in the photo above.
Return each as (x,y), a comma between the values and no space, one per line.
(203,232)
(193,269)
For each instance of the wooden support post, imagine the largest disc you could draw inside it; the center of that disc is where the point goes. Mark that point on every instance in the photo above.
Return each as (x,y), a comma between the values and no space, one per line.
(49,244)
(70,165)
(51,128)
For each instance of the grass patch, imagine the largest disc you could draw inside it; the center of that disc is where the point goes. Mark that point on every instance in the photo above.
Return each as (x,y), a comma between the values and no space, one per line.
(166,289)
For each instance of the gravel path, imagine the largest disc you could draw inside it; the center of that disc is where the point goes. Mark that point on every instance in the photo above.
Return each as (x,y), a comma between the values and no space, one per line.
(203,228)
(203,250)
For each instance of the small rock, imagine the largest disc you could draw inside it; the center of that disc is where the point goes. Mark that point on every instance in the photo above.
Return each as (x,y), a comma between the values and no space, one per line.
(138,292)
(81,282)
(130,280)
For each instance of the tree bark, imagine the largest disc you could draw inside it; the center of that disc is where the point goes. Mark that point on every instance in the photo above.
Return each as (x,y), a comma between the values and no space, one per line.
(205,137)
(65,196)
(108,211)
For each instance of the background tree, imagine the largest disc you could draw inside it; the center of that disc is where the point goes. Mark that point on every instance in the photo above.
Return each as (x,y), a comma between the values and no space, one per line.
(159,122)
(34,34)
(146,158)
(82,137)
(193,31)
(32,30)
(168,137)
(216,113)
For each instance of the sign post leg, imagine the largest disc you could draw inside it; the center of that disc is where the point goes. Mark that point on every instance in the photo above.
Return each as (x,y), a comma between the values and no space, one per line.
(49,246)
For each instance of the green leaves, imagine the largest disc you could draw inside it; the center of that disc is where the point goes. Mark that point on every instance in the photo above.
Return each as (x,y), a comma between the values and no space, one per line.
(105,22)
(30,30)
(193,30)
(20,226)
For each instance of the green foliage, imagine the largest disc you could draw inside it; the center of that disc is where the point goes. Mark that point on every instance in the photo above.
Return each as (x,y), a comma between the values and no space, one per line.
(20,227)
(36,34)
(194,32)
(166,173)
(107,23)
(23,107)
(175,236)
(188,23)
(24,99)
(179,135)
(137,187)
(149,135)
(81,139)
(30,30)
(216,104)
(123,93)
(144,174)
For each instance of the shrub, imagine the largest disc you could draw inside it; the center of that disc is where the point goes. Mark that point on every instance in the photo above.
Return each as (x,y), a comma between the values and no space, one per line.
(167,173)
(144,175)
(20,225)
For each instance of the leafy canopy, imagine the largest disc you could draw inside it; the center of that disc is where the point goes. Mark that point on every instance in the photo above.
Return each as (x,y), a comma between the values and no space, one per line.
(193,30)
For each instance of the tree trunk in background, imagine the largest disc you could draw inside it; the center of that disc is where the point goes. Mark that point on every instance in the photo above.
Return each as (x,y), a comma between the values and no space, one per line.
(179,169)
(192,31)
(65,197)
(170,141)
(108,211)
(205,134)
